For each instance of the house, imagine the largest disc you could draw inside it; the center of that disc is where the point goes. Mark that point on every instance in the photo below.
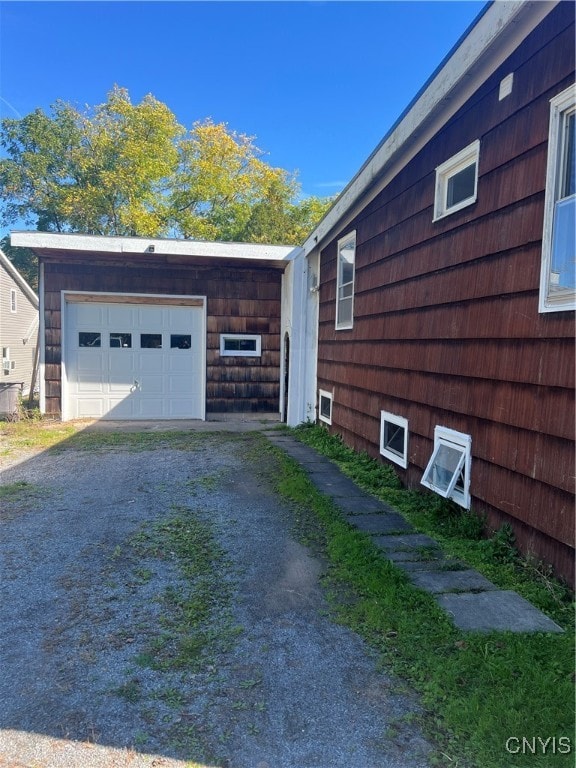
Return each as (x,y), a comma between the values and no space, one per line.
(429,318)
(18,331)
(446,276)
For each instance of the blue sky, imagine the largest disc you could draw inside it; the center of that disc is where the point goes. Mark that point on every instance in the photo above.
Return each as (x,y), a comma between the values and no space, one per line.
(317,83)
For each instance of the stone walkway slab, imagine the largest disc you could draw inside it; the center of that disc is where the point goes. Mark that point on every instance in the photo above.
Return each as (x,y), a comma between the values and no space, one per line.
(381,523)
(406,542)
(450,581)
(502,610)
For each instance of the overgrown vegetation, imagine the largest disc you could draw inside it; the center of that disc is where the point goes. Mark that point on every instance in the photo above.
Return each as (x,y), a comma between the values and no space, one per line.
(478,690)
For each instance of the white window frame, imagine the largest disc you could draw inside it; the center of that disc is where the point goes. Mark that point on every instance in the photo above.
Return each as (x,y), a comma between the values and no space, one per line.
(341,287)
(554,300)
(462,443)
(240,337)
(389,453)
(13,301)
(329,396)
(468,156)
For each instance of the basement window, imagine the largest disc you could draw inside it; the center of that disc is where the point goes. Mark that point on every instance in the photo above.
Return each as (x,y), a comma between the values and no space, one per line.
(325,406)
(394,438)
(457,182)
(240,345)
(448,471)
(558,271)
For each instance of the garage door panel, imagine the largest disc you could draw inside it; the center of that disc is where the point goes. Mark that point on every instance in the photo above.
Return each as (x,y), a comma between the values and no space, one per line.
(89,407)
(143,362)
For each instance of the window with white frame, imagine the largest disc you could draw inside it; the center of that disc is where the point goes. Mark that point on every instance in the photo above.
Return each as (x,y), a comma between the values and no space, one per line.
(394,438)
(558,273)
(325,406)
(240,345)
(345,281)
(457,181)
(13,306)
(448,471)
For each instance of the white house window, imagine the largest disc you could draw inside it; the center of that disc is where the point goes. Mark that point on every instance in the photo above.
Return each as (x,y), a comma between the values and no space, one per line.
(345,281)
(13,306)
(394,438)
(448,471)
(457,181)
(325,406)
(240,345)
(558,274)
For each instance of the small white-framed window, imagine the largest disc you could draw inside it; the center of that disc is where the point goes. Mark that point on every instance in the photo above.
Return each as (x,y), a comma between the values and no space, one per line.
(457,181)
(558,272)
(325,406)
(240,345)
(345,282)
(394,438)
(448,471)
(13,304)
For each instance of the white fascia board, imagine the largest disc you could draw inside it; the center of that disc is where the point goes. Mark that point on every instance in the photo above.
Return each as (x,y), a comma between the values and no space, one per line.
(497,32)
(17,277)
(91,243)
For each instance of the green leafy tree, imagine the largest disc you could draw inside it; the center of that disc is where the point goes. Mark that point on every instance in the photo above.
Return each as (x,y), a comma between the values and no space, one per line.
(130,169)
(99,172)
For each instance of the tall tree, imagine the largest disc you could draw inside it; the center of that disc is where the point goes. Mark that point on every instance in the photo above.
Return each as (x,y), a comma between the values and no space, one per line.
(125,169)
(101,171)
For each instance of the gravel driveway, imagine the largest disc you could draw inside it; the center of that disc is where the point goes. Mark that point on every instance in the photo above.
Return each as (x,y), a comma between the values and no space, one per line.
(96,668)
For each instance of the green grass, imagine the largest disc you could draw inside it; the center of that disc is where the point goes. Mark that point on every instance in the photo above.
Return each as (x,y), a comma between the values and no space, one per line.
(477,689)
(195,623)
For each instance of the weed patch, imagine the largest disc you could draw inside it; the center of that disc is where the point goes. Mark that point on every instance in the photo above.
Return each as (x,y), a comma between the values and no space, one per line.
(195,621)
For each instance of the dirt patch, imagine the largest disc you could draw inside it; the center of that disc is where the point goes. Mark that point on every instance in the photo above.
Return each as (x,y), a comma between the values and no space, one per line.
(156,609)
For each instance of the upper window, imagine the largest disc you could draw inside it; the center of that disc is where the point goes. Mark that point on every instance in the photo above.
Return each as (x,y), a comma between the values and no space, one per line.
(325,406)
(13,300)
(448,471)
(345,281)
(394,438)
(240,345)
(457,181)
(558,275)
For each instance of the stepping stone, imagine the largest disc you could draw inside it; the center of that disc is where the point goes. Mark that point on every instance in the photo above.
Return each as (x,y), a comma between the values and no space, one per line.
(335,484)
(501,610)
(406,542)
(409,565)
(361,503)
(384,523)
(450,581)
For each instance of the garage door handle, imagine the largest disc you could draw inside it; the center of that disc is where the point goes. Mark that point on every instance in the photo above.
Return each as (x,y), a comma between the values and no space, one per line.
(135,386)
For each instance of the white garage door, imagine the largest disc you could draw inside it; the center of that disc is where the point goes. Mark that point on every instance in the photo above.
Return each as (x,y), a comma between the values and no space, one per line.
(134,361)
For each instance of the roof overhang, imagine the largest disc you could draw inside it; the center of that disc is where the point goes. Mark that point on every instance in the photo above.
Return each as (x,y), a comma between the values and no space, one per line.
(55,245)
(485,45)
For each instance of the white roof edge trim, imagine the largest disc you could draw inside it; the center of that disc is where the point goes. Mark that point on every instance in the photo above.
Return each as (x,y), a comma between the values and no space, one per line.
(13,272)
(79,242)
(491,23)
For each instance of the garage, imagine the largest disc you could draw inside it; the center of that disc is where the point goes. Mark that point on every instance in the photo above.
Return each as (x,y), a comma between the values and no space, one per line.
(133,357)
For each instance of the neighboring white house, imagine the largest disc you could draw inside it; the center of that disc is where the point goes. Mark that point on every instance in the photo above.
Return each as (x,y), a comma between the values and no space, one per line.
(18,327)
